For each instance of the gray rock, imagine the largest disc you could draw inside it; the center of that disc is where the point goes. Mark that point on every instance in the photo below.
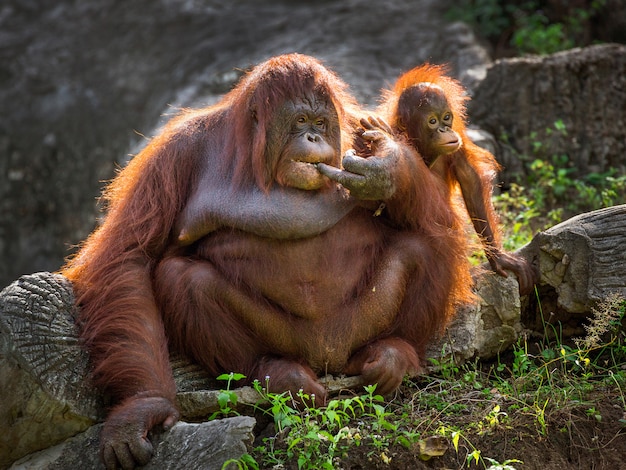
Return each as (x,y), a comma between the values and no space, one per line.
(485,328)
(206,445)
(522,98)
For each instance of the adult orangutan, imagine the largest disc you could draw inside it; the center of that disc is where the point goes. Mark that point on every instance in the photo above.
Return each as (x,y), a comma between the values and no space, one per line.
(198,253)
(427,107)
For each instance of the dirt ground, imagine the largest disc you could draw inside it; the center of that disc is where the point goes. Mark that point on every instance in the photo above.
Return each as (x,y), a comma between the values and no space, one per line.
(573,441)
(572,438)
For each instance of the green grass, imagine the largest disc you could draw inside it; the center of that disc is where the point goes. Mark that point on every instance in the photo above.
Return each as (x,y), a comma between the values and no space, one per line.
(551,193)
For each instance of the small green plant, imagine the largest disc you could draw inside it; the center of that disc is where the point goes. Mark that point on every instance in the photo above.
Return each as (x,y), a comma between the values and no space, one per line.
(592,412)
(529,25)
(506,465)
(313,437)
(561,374)
(552,191)
(605,322)
(522,363)
(317,437)
(227,399)
(535,34)
(445,366)
(245,462)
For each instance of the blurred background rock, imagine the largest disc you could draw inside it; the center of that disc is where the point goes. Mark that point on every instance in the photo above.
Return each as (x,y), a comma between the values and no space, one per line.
(84,84)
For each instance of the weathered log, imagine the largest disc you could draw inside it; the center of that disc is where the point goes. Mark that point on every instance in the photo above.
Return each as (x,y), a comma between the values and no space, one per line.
(46,393)
(44,384)
(582,261)
(584,258)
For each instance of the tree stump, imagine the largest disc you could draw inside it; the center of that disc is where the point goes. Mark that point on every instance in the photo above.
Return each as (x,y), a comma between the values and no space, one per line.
(582,261)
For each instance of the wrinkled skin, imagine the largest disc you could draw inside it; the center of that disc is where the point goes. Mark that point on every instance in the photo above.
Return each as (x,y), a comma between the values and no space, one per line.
(286,211)
(125,440)
(374,177)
